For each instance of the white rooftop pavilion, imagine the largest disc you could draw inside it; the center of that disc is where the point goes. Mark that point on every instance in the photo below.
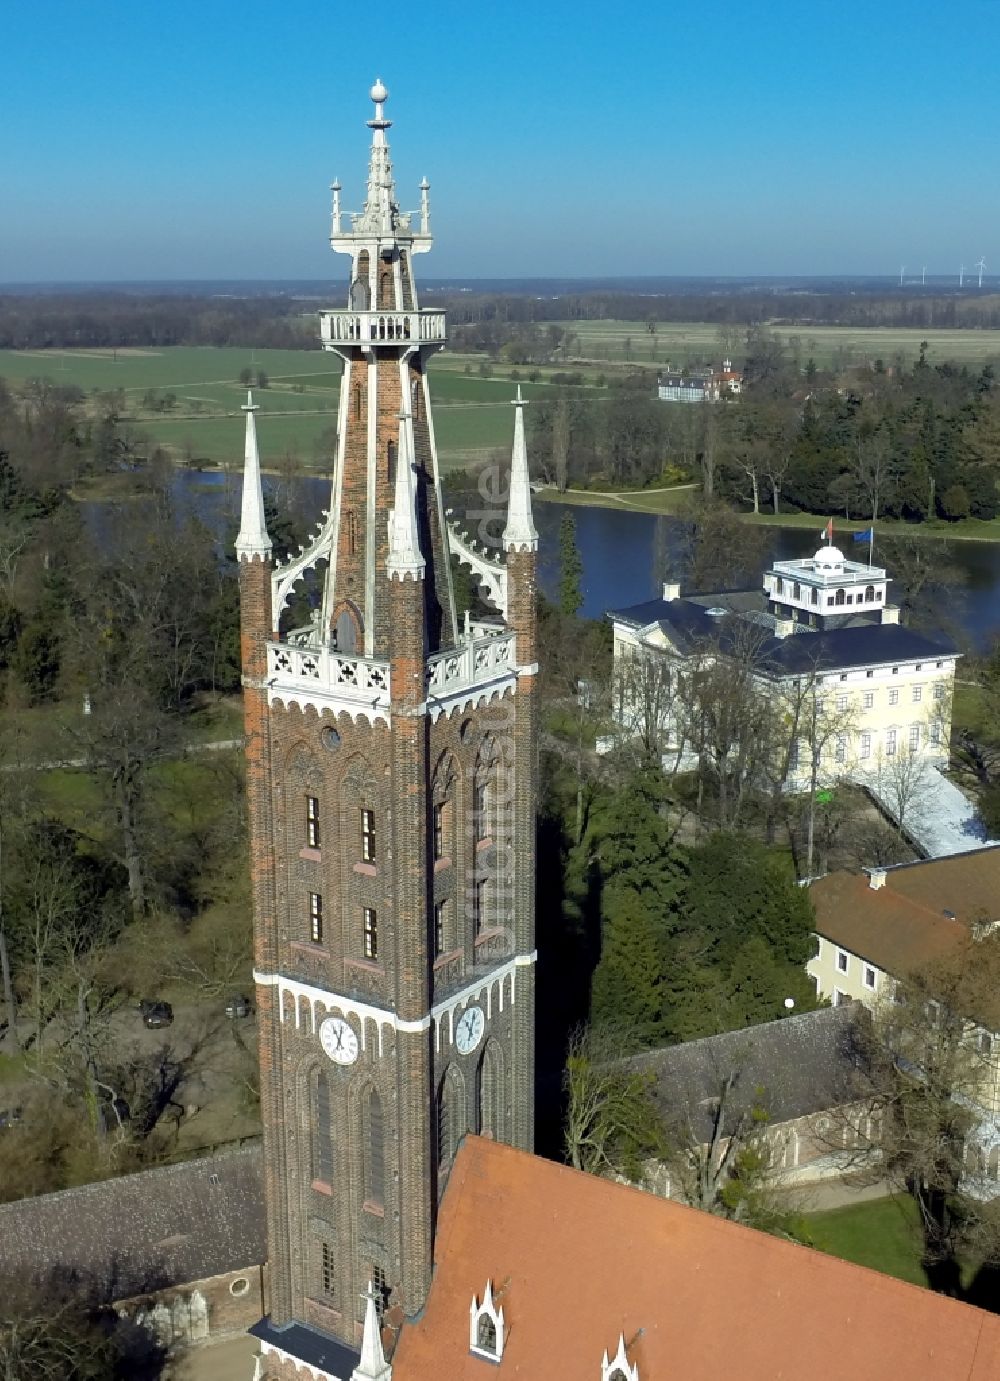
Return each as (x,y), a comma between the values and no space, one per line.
(827,583)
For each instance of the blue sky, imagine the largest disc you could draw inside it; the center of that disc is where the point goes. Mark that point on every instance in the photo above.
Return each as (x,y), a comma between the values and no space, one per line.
(198,139)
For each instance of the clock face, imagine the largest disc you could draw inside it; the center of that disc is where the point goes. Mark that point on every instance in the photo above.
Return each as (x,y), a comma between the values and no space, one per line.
(469,1032)
(339,1040)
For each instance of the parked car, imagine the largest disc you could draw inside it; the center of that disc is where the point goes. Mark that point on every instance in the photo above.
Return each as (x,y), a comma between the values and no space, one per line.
(156,1014)
(238,1006)
(9,1117)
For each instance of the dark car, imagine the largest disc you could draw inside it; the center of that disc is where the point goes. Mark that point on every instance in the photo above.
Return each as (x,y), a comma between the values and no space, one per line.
(9,1117)
(156,1014)
(238,1006)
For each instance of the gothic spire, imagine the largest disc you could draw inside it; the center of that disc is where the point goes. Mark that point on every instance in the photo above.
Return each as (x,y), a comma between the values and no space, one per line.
(253,539)
(372,1366)
(380,207)
(404,558)
(520,533)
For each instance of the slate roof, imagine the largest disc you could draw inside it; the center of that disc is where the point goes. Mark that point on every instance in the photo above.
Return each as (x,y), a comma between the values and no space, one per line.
(144,1232)
(576,1261)
(309,1345)
(792,1068)
(903,926)
(688,624)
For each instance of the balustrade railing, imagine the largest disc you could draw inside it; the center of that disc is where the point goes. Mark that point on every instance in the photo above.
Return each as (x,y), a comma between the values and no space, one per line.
(472,663)
(324,668)
(381,328)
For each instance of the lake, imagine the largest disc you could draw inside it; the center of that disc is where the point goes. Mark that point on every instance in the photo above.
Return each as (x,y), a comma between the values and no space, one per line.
(622,551)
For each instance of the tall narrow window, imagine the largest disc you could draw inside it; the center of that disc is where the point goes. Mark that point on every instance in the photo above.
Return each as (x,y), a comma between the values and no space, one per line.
(374,1151)
(914,738)
(380,1288)
(368,836)
(312,821)
(371,933)
(315,917)
(323,1163)
(479,906)
(391,453)
(438,830)
(890,743)
(481,811)
(440,928)
(451,1115)
(327,1271)
(352,533)
(357,405)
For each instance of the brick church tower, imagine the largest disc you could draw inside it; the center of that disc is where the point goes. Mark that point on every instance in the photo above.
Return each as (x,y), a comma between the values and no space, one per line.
(391,754)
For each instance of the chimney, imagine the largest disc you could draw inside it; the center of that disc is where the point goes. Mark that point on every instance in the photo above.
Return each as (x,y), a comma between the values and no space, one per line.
(876,878)
(671,591)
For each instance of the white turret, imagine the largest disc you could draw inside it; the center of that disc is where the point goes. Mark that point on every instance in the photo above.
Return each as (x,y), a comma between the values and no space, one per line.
(253,540)
(372,1366)
(520,533)
(404,560)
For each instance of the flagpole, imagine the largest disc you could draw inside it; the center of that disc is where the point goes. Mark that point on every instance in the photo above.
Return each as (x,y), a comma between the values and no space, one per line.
(871,544)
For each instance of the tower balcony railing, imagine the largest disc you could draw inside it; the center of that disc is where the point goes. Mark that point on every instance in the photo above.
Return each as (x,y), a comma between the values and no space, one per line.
(365,679)
(473,663)
(384,328)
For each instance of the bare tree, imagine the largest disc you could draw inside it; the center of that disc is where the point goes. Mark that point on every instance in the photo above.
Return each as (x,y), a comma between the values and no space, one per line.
(612,1127)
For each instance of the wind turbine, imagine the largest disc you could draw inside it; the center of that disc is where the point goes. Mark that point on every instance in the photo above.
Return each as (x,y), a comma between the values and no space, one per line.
(961,276)
(981,266)
(902,270)
(923,276)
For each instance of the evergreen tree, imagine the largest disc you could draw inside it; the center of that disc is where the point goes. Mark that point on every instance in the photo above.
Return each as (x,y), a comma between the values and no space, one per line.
(570,569)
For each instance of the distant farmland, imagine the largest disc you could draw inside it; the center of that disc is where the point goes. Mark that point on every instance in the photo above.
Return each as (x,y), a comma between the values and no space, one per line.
(680,342)
(298,409)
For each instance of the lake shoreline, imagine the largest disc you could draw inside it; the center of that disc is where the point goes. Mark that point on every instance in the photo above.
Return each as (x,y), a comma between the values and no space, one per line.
(625,501)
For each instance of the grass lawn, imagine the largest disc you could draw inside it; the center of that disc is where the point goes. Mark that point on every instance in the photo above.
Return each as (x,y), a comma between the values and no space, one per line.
(671,500)
(880,1233)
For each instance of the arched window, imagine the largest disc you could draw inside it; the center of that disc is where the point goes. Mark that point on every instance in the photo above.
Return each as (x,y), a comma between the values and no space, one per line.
(346,631)
(841,597)
(451,1115)
(486,1334)
(385,289)
(489,1092)
(869,594)
(323,1147)
(359,296)
(374,1144)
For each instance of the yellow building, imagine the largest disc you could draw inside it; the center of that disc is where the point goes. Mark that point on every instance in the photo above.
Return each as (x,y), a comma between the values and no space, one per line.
(851,692)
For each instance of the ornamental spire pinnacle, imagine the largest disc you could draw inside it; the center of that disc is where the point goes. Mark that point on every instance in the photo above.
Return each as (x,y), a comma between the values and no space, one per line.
(372,1366)
(253,540)
(404,558)
(520,533)
(380,207)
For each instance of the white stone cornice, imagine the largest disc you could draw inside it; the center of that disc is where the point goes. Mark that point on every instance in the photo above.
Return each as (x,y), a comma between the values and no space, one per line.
(301,1368)
(384,1018)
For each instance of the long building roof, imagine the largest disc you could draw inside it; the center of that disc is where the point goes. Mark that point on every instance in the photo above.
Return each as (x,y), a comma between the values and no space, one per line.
(141,1233)
(577,1262)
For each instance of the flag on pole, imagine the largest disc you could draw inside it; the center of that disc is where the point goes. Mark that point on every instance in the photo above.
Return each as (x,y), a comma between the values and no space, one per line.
(828,532)
(867,535)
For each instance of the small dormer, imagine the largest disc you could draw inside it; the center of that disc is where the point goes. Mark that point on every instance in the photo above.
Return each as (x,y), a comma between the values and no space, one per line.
(619,1368)
(486,1327)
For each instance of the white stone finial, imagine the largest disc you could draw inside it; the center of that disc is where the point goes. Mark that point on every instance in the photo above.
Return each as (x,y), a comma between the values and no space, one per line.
(336,189)
(619,1368)
(253,540)
(404,560)
(520,533)
(425,207)
(372,1366)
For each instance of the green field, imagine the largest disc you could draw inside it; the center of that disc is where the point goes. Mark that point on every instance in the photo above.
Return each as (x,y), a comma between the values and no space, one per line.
(679,342)
(472,414)
(880,1233)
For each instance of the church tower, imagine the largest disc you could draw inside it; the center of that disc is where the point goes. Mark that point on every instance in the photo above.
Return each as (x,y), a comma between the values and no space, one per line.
(391,754)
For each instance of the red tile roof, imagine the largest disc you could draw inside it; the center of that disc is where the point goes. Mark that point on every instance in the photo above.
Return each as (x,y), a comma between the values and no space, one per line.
(902,926)
(576,1260)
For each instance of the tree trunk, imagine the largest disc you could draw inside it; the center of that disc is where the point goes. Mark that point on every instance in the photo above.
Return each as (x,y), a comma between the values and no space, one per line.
(130,844)
(8,990)
(775,495)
